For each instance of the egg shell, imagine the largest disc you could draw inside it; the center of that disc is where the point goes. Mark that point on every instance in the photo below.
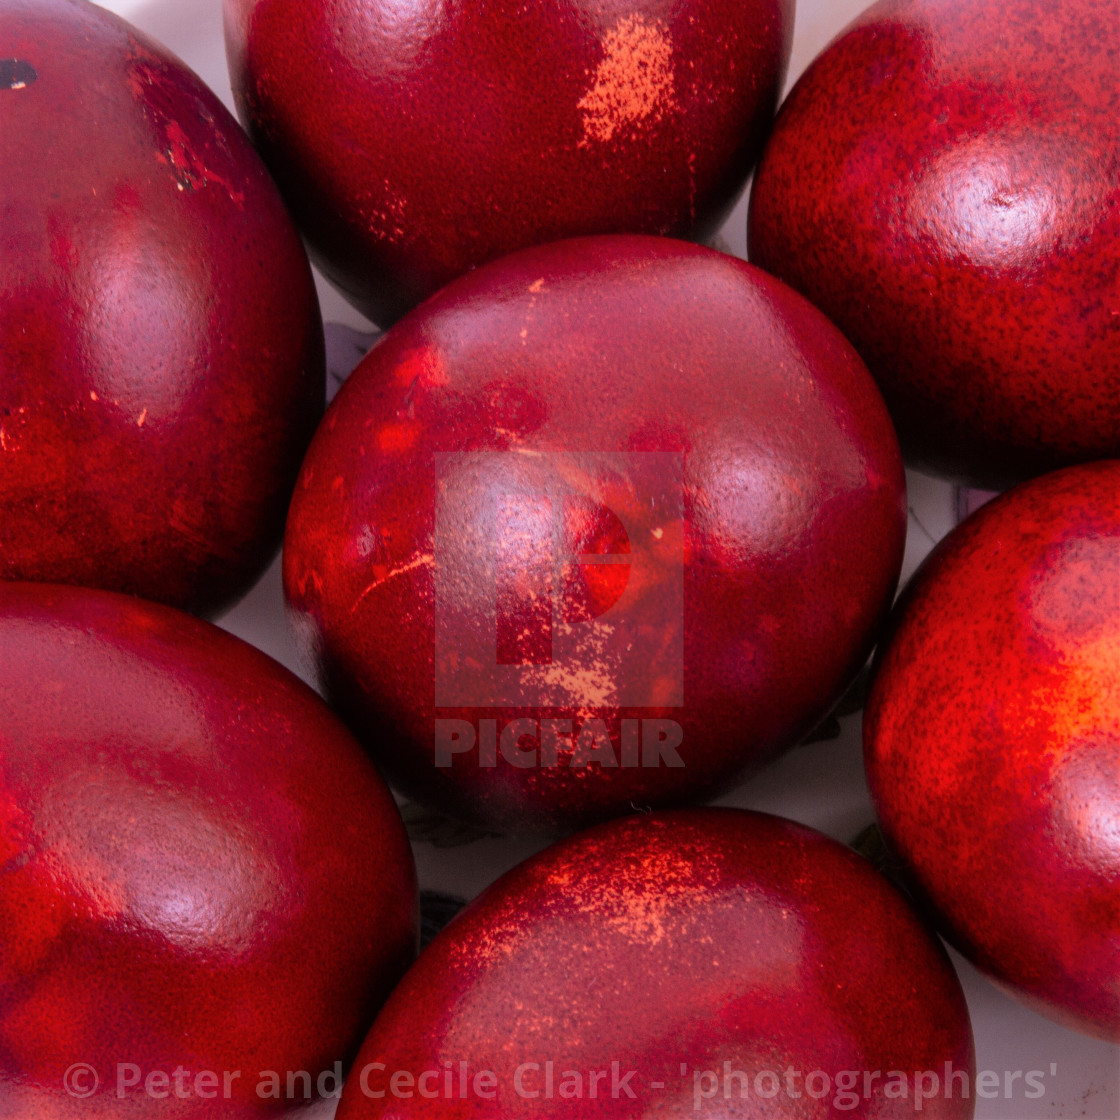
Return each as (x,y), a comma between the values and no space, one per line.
(739,964)
(993,742)
(944,183)
(161,351)
(620,486)
(415,142)
(199,867)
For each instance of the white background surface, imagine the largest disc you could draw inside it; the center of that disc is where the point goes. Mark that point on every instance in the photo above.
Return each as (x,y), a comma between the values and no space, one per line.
(821,785)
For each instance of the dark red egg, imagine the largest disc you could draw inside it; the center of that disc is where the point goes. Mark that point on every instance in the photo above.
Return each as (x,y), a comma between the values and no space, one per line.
(161,352)
(415,142)
(704,962)
(202,877)
(993,742)
(609,521)
(944,183)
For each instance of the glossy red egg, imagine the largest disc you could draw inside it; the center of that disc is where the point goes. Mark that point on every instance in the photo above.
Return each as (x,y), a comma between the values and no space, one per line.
(161,352)
(200,870)
(606,522)
(944,183)
(705,962)
(993,742)
(414,142)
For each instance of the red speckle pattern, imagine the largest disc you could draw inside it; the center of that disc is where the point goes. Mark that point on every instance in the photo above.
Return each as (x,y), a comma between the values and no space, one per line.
(689,938)
(993,742)
(743,612)
(161,364)
(198,865)
(414,142)
(944,183)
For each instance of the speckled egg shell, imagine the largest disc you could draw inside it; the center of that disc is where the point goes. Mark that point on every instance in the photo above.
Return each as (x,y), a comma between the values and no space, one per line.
(416,142)
(161,352)
(944,183)
(993,742)
(671,944)
(199,868)
(600,482)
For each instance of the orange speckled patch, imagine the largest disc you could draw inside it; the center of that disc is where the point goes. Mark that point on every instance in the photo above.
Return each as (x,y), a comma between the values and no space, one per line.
(632,83)
(591,681)
(385,214)
(625,903)
(424,365)
(630,910)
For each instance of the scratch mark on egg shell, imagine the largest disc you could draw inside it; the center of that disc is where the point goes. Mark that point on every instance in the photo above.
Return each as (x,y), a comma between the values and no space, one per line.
(423,561)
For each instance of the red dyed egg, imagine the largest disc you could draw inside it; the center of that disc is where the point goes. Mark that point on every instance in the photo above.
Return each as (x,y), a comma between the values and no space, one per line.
(199,868)
(993,742)
(161,365)
(415,142)
(609,521)
(710,962)
(944,183)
